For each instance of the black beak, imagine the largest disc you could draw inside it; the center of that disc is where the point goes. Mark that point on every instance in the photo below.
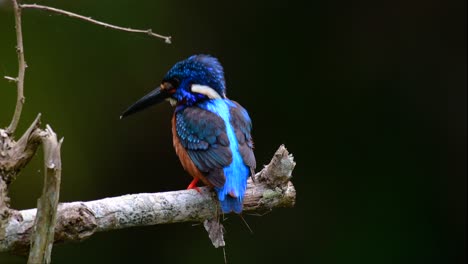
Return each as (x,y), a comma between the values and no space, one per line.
(156,96)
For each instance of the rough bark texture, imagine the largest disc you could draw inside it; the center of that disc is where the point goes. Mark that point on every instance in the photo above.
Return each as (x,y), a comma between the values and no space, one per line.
(215,232)
(42,239)
(14,155)
(79,220)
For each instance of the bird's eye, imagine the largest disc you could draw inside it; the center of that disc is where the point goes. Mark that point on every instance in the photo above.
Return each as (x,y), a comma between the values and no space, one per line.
(169,87)
(175,82)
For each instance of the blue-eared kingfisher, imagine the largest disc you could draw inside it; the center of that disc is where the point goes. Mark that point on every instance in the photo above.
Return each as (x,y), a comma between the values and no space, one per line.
(211,134)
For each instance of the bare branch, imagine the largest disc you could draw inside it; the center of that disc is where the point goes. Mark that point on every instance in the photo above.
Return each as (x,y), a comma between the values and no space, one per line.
(15,155)
(44,226)
(79,220)
(21,70)
(149,32)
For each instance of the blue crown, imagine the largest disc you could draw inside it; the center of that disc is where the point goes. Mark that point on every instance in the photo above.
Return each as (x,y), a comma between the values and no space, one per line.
(198,69)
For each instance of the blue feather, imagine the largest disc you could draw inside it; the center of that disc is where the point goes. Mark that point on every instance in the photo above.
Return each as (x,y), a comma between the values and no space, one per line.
(237,172)
(211,133)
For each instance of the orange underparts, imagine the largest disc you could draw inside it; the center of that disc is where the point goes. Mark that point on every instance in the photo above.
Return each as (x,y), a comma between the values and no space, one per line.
(185,160)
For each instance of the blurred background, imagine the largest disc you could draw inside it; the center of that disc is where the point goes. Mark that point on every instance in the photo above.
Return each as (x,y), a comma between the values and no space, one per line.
(369,97)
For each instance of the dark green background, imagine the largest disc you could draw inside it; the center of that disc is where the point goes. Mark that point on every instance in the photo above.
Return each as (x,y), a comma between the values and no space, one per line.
(368,96)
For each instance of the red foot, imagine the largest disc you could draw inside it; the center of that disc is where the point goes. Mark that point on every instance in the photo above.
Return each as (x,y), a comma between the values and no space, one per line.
(193,185)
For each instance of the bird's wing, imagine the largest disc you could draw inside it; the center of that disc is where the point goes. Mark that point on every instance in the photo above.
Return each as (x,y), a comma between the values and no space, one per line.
(203,135)
(242,124)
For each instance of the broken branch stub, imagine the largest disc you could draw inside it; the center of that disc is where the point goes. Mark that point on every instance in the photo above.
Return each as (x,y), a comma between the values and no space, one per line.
(42,239)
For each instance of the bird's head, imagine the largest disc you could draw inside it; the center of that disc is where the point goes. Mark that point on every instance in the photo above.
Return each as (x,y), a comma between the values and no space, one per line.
(195,79)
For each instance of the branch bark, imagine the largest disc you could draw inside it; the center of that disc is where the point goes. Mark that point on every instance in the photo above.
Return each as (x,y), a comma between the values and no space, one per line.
(42,239)
(14,155)
(77,221)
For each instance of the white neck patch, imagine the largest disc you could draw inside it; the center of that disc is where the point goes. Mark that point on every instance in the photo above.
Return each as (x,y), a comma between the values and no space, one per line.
(172,101)
(206,90)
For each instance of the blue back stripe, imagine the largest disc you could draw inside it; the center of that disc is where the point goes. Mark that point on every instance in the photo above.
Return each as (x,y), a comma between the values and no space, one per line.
(237,172)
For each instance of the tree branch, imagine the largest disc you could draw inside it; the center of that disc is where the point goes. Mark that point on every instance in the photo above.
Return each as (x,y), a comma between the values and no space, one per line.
(77,221)
(15,155)
(21,70)
(41,224)
(149,32)
(44,226)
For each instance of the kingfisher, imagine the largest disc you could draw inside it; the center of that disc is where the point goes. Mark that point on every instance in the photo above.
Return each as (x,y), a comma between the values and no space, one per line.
(211,134)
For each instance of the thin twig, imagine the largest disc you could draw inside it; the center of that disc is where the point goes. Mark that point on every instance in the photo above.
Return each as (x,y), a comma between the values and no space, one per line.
(11,79)
(21,69)
(88,19)
(246,224)
(42,239)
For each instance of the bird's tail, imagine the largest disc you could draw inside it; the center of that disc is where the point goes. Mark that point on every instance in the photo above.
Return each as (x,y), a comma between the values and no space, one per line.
(231,195)
(229,204)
